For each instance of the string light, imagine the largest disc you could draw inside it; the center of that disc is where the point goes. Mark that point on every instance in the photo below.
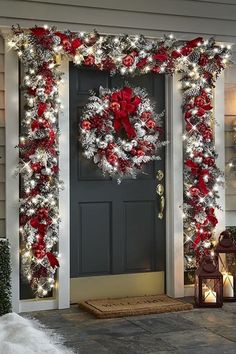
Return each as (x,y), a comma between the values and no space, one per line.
(41,184)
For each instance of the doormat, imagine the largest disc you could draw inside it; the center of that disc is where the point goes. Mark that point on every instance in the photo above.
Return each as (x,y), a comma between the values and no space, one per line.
(131,306)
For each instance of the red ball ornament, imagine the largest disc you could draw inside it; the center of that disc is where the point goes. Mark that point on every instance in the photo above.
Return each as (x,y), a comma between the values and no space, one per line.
(133,152)
(146,115)
(176,54)
(34,223)
(42,213)
(39,253)
(202,127)
(186,50)
(201,112)
(35,124)
(207,135)
(45,124)
(187,115)
(150,124)
(128,60)
(42,228)
(114,106)
(199,101)
(203,60)
(108,64)
(89,60)
(208,76)
(112,159)
(189,106)
(195,192)
(76,43)
(195,42)
(161,55)
(36,167)
(111,146)
(140,153)
(55,169)
(210,161)
(156,69)
(188,127)
(85,124)
(141,63)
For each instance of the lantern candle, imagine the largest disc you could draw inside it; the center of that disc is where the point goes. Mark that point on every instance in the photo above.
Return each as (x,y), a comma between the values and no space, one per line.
(210,296)
(228,288)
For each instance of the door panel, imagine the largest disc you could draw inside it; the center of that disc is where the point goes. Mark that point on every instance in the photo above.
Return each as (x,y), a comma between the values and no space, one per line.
(95,237)
(139,231)
(114,228)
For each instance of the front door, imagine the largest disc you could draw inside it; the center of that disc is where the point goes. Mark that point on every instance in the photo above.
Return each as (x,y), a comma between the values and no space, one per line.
(116,235)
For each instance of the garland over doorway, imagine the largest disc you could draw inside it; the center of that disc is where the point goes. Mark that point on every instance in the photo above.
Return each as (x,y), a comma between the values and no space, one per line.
(41,49)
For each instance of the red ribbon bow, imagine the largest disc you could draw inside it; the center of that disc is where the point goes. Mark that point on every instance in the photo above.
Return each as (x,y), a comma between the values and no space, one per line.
(122,105)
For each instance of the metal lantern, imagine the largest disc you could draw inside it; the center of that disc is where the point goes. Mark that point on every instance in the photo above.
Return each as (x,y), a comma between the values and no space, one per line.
(208,284)
(225,252)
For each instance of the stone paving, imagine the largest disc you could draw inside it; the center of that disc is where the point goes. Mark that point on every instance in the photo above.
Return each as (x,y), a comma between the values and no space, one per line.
(200,331)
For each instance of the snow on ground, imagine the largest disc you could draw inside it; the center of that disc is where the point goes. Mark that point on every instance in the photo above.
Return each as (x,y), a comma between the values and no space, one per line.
(19,335)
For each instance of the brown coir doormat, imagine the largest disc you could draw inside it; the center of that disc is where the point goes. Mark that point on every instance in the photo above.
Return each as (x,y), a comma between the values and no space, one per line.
(131,306)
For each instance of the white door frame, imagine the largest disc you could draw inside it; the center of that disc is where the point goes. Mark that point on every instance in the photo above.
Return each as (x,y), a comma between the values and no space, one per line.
(174,186)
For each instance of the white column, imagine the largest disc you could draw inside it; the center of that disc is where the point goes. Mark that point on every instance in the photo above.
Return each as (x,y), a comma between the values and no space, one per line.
(12,158)
(64,197)
(174,188)
(220,148)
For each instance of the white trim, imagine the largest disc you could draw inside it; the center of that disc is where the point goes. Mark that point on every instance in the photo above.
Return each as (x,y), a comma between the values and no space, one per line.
(12,158)
(189,290)
(174,196)
(38,305)
(220,147)
(230,217)
(64,196)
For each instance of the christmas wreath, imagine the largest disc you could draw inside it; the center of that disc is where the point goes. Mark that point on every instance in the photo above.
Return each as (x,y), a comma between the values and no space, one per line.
(120,131)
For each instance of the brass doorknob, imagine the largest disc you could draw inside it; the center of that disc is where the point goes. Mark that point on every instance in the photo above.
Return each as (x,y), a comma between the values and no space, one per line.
(160,175)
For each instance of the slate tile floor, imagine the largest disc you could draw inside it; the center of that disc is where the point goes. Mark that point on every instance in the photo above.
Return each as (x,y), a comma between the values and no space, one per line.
(200,331)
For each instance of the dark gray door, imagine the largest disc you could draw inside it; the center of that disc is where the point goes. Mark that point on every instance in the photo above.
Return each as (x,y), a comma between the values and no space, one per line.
(114,228)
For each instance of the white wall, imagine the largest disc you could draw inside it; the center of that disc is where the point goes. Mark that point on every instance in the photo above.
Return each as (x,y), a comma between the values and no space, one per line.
(184,17)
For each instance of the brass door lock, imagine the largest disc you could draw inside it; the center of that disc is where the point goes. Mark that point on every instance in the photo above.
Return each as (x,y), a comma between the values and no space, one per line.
(160,190)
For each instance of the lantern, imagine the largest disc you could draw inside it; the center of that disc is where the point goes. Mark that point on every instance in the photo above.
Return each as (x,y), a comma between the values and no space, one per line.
(208,284)
(225,252)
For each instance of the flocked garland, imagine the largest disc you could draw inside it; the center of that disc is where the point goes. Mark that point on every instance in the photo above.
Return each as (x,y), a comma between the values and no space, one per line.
(5,277)
(40,49)
(120,131)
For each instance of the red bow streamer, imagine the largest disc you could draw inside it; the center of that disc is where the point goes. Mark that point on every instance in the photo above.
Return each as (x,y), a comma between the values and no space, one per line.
(201,183)
(122,105)
(52,260)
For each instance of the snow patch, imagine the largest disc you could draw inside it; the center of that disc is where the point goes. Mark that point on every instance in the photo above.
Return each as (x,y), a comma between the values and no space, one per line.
(19,335)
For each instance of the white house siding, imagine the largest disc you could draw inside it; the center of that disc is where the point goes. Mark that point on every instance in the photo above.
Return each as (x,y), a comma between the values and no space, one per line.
(184,18)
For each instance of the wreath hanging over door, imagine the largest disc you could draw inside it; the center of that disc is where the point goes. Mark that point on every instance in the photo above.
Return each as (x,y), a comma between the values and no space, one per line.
(120,131)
